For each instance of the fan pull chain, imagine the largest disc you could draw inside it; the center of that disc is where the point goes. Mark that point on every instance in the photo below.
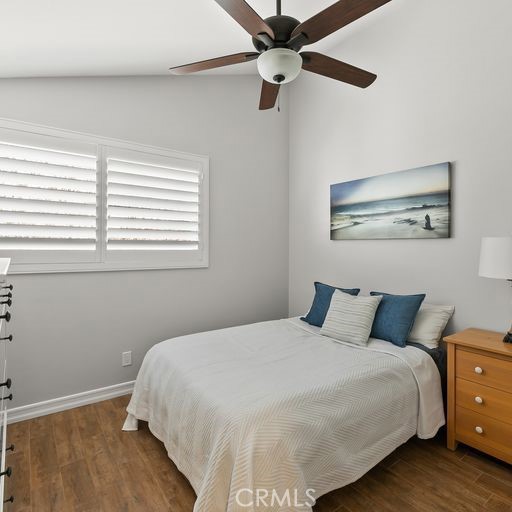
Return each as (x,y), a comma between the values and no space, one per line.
(279,102)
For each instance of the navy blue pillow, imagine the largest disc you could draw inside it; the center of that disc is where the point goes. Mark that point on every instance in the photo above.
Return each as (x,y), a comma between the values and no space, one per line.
(322,301)
(395,317)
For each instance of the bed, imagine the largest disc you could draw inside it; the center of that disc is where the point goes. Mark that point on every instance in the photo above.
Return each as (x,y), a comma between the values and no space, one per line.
(276,406)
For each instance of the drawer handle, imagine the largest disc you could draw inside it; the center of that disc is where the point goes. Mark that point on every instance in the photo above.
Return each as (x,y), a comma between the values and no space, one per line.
(8,397)
(479,400)
(7,384)
(9,500)
(7,472)
(8,287)
(7,316)
(8,449)
(479,430)
(8,338)
(8,302)
(6,296)
(479,370)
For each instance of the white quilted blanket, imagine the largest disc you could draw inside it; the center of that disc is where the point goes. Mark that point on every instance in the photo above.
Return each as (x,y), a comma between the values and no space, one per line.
(276,406)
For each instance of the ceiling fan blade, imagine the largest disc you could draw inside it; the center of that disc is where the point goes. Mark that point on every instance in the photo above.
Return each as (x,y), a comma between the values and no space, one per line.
(269,94)
(250,20)
(228,60)
(332,68)
(335,17)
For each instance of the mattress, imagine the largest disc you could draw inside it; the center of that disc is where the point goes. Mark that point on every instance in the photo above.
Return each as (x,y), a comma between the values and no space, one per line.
(276,408)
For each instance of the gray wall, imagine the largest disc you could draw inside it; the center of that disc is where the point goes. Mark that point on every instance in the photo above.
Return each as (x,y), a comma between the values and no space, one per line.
(443,94)
(71,328)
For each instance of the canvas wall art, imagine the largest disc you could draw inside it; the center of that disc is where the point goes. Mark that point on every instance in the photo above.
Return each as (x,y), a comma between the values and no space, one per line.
(408,204)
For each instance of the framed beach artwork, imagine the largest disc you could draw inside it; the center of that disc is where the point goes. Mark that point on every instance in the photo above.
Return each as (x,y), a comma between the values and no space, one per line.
(408,204)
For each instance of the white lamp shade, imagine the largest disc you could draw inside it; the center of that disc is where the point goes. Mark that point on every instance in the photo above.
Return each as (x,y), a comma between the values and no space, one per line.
(496,258)
(279,63)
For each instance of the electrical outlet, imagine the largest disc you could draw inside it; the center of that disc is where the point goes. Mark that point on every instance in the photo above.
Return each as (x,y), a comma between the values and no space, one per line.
(126,358)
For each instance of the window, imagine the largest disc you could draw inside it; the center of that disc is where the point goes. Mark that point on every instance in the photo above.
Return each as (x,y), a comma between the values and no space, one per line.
(71,202)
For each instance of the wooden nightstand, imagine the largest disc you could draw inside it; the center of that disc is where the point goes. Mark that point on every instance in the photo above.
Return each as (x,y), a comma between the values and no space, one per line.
(480,392)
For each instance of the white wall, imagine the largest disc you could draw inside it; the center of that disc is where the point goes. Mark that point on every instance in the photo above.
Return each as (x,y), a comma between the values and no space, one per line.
(443,94)
(70,329)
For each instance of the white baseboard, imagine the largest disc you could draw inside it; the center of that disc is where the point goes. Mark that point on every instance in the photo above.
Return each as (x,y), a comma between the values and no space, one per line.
(27,412)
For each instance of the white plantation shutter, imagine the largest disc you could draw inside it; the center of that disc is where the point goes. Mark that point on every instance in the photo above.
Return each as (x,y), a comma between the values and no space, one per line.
(152,207)
(47,194)
(74,202)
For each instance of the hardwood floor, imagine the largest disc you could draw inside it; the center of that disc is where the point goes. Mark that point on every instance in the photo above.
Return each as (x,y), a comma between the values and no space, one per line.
(81,461)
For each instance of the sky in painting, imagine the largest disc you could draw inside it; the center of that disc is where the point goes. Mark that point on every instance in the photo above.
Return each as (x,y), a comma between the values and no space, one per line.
(421,181)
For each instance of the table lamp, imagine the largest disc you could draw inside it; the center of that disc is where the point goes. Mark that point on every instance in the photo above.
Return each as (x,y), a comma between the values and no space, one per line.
(496,263)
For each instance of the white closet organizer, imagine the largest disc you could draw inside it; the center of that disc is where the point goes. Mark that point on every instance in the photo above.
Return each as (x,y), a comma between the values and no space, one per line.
(6,294)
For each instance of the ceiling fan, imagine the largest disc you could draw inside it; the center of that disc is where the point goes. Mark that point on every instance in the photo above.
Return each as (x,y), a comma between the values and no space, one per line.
(279,39)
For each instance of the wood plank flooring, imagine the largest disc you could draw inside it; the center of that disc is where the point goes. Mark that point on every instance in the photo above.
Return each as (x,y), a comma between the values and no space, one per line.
(81,461)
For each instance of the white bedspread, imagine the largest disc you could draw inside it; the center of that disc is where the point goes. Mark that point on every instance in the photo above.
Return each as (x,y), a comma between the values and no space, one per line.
(276,406)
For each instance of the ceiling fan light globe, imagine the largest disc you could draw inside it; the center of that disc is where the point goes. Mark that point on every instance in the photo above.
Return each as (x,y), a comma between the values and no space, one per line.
(279,65)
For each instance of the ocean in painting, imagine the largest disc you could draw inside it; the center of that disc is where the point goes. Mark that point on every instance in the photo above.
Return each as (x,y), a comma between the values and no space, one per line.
(424,214)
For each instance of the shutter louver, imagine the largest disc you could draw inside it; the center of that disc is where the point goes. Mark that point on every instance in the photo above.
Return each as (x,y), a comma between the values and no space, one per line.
(47,199)
(151,207)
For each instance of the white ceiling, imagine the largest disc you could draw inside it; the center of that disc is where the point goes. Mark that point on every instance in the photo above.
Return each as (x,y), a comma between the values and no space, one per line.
(131,37)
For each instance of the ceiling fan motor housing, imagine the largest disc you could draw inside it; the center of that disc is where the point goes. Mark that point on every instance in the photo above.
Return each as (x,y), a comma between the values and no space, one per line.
(283,26)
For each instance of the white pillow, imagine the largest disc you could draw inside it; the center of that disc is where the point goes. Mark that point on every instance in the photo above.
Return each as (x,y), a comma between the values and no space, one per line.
(430,324)
(350,318)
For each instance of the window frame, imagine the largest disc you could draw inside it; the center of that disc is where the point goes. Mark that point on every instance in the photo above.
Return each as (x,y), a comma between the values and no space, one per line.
(24,261)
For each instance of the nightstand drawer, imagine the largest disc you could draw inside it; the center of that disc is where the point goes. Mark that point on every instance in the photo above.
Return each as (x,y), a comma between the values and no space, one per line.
(485,400)
(485,370)
(484,433)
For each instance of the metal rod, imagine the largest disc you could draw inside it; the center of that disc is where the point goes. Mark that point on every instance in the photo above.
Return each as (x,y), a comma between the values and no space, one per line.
(278,7)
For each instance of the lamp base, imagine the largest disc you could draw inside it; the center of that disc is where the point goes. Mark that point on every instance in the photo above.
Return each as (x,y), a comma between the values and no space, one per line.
(508,338)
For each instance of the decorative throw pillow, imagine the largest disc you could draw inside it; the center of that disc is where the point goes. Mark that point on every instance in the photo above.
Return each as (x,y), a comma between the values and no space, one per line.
(350,318)
(322,301)
(430,324)
(395,317)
